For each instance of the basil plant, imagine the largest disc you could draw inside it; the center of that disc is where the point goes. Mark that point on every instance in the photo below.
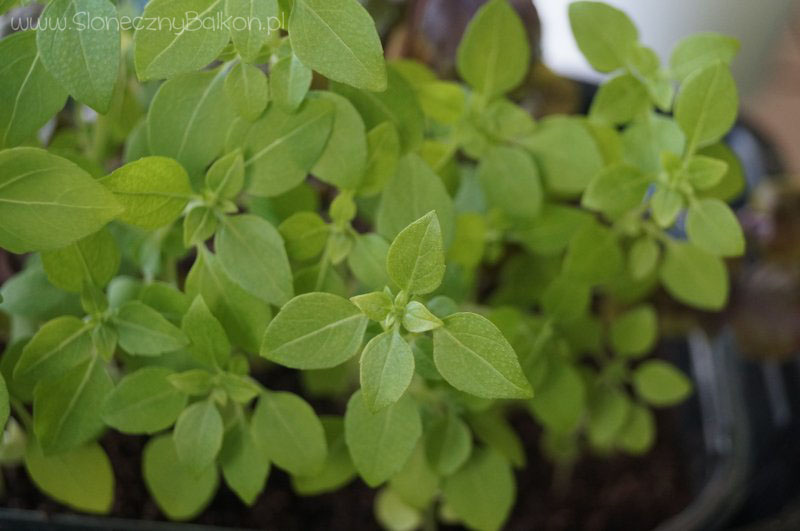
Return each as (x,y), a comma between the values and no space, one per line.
(208,206)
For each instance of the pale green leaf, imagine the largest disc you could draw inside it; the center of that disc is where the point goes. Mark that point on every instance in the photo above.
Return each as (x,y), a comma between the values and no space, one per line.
(198,435)
(95,258)
(560,400)
(701,50)
(712,226)
(244,462)
(209,341)
(338,469)
(367,260)
(305,234)
(617,189)
(695,277)
(418,319)
(383,145)
(247,88)
(344,159)
(594,255)
(290,80)
(144,402)
(254,21)
(387,366)
(511,182)
(620,100)
(707,106)
(448,444)
(604,34)
(145,332)
(661,383)
(635,332)
(415,260)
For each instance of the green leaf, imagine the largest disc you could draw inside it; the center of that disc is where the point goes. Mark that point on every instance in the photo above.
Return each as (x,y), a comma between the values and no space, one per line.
(566,153)
(705,172)
(145,332)
(83,57)
(261,17)
(712,226)
(251,252)
(30,94)
(398,104)
(417,319)
(707,106)
(305,234)
(560,401)
(550,233)
(81,478)
(643,257)
(474,357)
(47,202)
(732,183)
(181,39)
(511,182)
(209,342)
(367,260)
(247,88)
(387,366)
(383,145)
(281,148)
(290,80)
(198,435)
(594,255)
(700,51)
(194,382)
(57,346)
(344,159)
(95,257)
(189,118)
(415,261)
(608,410)
(666,204)
(635,332)
(178,491)
(493,428)
(144,402)
(616,190)
(416,483)
(620,100)
(565,298)
(153,190)
(67,406)
(482,492)
(392,512)
(244,316)
(644,141)
(412,193)
(314,331)
(448,444)
(605,35)
(291,433)
(639,432)
(695,277)
(494,54)
(199,225)
(338,39)
(244,462)
(380,443)
(225,178)
(338,469)
(660,383)
(376,305)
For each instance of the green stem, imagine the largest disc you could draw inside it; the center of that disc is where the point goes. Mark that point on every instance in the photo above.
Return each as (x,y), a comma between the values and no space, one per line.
(22,414)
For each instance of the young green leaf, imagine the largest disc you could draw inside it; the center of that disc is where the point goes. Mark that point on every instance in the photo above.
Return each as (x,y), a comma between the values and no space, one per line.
(383,145)
(635,332)
(189,118)
(666,204)
(560,401)
(291,433)
(367,260)
(225,178)
(48,202)
(638,432)
(247,88)
(616,190)
(511,182)
(338,469)
(198,435)
(344,159)
(262,17)
(244,316)
(281,147)
(417,319)
(712,226)
(694,276)
(482,492)
(57,346)
(380,443)
(605,35)
(474,357)
(83,56)
(67,406)
(290,80)
(153,190)
(144,402)
(314,331)
(244,462)
(620,100)
(145,332)
(705,172)
(181,40)
(660,383)
(494,54)
(376,305)
(199,225)
(209,342)
(448,444)
(36,96)
(387,366)
(81,478)
(707,106)
(338,39)
(608,409)
(594,255)
(415,261)
(305,234)
(251,252)
(700,51)
(95,258)
(179,491)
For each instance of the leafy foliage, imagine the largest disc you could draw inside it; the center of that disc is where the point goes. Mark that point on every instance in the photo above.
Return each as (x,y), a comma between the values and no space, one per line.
(451,259)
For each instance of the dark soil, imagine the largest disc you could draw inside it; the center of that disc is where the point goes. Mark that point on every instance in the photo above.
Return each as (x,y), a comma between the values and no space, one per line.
(604,493)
